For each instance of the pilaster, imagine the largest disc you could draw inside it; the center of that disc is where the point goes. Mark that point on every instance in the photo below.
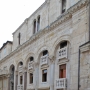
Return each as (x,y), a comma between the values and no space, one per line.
(52,69)
(16,79)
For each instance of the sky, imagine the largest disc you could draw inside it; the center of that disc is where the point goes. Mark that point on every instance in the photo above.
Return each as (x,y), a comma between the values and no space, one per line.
(12,15)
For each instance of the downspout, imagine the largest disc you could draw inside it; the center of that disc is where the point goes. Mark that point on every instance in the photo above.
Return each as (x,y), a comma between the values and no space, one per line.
(79,69)
(80,52)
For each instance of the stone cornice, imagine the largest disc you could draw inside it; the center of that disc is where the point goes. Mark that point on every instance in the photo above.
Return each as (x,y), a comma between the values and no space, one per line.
(63,18)
(85,48)
(78,6)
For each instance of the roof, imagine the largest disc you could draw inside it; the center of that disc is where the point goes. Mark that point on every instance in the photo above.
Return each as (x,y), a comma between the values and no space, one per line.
(4,44)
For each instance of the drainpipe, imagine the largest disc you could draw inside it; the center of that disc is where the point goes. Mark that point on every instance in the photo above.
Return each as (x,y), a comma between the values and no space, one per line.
(79,69)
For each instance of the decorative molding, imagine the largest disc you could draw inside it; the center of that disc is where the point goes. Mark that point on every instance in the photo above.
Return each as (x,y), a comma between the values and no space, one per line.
(63,61)
(85,48)
(44,66)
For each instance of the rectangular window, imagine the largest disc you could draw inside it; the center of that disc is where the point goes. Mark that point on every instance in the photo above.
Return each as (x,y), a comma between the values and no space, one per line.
(31,78)
(38,24)
(21,80)
(44,75)
(63,44)
(62,71)
(63,6)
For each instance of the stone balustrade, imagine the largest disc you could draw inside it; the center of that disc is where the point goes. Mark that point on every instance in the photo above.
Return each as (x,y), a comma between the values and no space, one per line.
(62,53)
(30,65)
(44,60)
(19,87)
(61,83)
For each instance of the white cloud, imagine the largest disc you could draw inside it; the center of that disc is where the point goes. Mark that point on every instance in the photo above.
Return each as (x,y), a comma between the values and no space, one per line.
(12,14)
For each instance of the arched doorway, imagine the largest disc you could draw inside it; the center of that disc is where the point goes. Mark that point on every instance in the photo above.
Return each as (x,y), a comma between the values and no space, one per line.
(12,77)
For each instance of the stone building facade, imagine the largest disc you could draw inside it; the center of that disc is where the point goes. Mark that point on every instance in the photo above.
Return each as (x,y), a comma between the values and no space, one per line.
(50,49)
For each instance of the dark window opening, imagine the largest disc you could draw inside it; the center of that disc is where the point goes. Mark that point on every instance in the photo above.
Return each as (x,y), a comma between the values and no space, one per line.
(63,6)
(34,31)
(31,59)
(62,71)
(21,80)
(63,44)
(38,24)
(19,37)
(44,75)
(21,63)
(45,52)
(31,78)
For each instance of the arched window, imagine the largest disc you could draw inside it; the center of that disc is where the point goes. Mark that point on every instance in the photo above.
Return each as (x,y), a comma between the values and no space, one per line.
(31,59)
(34,27)
(45,52)
(63,44)
(19,38)
(21,63)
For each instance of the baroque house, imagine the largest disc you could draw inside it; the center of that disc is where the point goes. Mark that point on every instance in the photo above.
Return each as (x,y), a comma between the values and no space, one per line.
(50,49)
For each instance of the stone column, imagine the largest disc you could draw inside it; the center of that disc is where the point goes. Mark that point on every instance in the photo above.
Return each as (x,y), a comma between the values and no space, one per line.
(36,80)
(52,69)
(8,82)
(25,80)
(16,81)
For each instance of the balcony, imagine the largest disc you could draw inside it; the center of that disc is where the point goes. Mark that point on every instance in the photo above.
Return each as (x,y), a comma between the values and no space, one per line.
(62,53)
(19,87)
(3,72)
(44,60)
(61,83)
(20,68)
(30,65)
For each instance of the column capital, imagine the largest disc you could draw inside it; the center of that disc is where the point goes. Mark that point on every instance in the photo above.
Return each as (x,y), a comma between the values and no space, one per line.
(16,72)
